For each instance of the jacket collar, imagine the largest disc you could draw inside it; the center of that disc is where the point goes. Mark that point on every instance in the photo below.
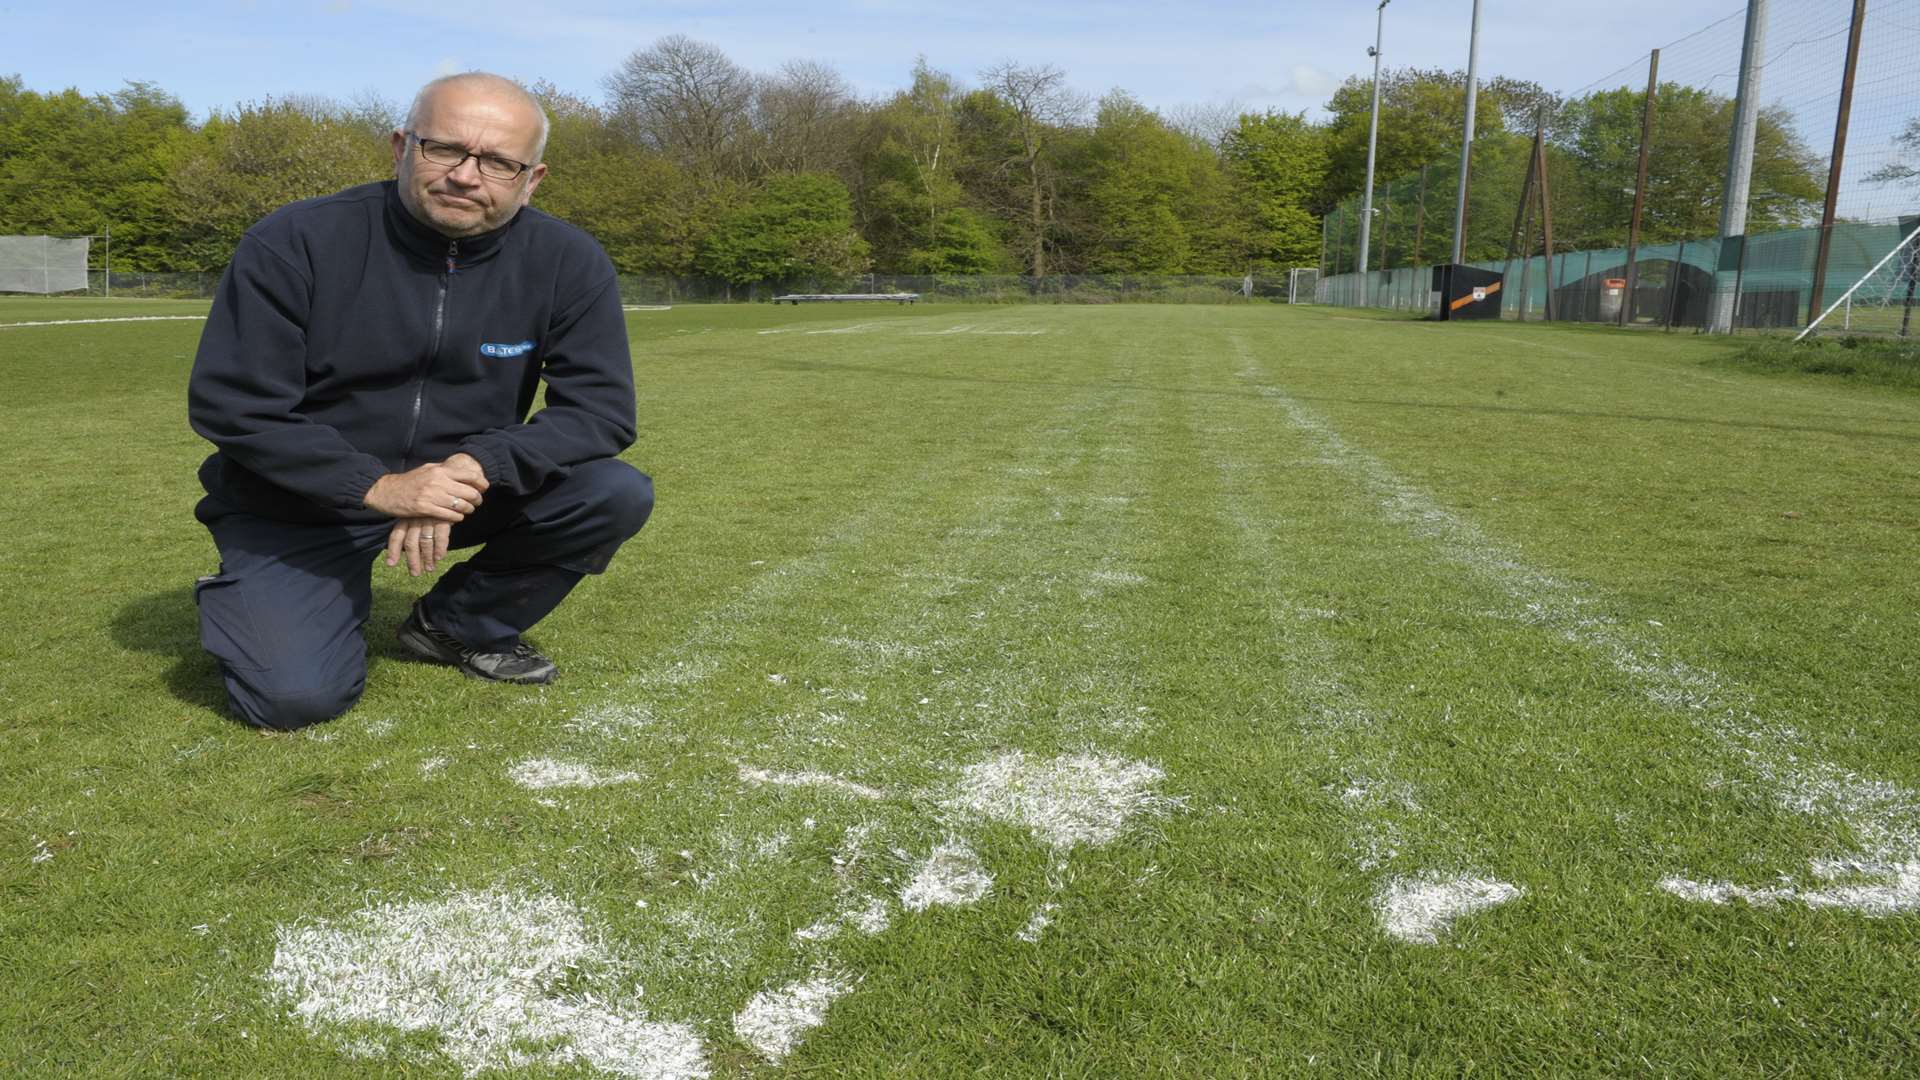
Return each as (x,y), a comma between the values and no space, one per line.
(427,244)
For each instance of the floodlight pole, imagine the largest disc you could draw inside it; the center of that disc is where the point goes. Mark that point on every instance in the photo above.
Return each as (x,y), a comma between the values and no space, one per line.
(1733,199)
(1373,138)
(1466,141)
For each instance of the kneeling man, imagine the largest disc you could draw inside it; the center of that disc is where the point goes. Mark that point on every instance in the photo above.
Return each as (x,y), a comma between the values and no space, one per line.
(365,377)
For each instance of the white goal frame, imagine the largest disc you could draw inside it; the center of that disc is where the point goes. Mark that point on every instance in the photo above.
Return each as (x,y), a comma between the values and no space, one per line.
(1907,273)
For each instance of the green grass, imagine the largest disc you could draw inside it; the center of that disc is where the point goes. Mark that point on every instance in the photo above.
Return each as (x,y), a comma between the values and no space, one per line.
(1561,607)
(1873,361)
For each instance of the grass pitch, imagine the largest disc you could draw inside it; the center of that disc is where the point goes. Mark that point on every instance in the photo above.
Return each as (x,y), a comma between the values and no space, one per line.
(1050,691)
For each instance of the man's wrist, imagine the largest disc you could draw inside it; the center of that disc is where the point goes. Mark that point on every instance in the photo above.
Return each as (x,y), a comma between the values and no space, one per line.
(369,499)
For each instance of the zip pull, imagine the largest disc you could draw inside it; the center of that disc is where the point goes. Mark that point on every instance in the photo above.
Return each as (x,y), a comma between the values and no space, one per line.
(453,250)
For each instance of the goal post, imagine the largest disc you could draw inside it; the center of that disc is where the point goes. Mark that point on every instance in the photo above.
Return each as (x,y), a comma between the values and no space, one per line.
(1881,302)
(43,264)
(1301,284)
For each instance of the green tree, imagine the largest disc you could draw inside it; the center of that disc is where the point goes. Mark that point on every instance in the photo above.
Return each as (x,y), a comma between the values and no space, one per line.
(963,242)
(1278,162)
(1422,113)
(1020,121)
(1901,170)
(645,210)
(1599,137)
(76,164)
(1139,170)
(796,227)
(245,164)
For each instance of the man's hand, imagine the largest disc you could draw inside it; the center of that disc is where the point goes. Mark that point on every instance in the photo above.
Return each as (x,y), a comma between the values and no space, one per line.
(445,491)
(426,503)
(422,541)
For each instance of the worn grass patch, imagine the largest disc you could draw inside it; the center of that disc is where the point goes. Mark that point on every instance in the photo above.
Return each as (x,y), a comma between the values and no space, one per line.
(1033,691)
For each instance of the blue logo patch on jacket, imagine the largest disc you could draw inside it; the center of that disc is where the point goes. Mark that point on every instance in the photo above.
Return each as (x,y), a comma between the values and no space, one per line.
(505,352)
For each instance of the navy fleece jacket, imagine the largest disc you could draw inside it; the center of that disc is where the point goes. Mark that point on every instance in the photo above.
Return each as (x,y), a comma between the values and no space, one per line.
(348,341)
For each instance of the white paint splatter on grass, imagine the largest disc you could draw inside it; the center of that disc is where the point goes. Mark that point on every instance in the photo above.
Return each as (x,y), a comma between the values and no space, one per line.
(950,874)
(1042,918)
(1068,801)
(483,971)
(869,919)
(614,718)
(1419,910)
(538,774)
(774,1021)
(809,778)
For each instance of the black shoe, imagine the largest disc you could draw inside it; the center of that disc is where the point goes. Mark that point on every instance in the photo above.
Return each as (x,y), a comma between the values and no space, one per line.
(518,665)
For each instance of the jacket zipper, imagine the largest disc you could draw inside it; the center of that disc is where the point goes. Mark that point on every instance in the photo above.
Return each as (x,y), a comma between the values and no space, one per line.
(433,353)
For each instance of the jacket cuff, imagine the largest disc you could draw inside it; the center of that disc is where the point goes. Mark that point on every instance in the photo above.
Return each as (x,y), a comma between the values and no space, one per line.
(357,487)
(490,459)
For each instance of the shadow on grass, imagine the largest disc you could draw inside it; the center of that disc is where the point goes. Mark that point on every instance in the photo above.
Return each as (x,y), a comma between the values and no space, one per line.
(166,623)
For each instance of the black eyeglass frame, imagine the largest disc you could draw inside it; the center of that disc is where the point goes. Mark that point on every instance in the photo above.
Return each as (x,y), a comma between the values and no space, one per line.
(481,161)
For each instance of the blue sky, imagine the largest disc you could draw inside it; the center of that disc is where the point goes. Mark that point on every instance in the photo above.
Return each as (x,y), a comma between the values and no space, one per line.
(1273,54)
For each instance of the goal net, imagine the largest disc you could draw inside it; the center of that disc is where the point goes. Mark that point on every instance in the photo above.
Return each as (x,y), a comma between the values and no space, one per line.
(1301,284)
(43,264)
(1881,302)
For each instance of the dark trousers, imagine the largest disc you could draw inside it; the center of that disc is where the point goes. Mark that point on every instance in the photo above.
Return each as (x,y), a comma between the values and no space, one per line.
(286,615)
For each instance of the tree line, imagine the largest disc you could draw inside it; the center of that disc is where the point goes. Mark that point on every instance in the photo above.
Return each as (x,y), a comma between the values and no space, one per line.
(693,166)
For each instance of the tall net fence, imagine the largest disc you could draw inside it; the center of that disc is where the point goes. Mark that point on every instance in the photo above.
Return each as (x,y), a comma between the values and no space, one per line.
(43,264)
(1682,99)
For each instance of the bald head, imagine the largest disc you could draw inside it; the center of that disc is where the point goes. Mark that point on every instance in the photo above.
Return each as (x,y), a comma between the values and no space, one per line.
(482,82)
(469,157)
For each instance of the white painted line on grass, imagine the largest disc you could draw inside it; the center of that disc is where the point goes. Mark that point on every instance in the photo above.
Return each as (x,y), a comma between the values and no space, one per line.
(856,328)
(1885,817)
(646,307)
(538,774)
(774,1020)
(809,778)
(113,319)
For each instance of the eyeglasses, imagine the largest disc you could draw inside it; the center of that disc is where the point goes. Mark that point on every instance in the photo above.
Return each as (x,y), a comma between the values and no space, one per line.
(453,155)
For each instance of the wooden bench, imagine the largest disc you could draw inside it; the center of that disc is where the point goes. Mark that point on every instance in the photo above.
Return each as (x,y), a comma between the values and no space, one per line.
(814,298)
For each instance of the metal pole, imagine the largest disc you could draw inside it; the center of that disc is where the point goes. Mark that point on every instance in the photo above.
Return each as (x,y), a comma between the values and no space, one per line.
(1640,187)
(1373,137)
(1466,142)
(1546,208)
(106,279)
(1839,153)
(1519,212)
(1733,201)
(1526,251)
(1420,217)
(1673,287)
